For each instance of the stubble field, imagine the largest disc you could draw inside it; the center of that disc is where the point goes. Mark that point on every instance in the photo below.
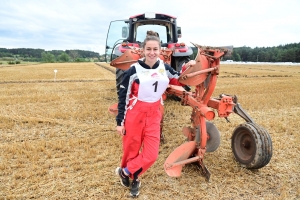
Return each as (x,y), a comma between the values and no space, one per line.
(58,141)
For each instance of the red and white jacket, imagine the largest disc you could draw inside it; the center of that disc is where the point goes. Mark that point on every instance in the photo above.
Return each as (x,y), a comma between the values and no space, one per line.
(129,88)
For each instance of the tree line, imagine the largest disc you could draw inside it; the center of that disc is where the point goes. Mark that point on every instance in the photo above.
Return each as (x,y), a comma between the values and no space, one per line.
(40,55)
(281,53)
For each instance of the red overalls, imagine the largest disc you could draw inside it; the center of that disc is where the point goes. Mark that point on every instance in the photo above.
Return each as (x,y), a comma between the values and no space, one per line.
(142,127)
(142,121)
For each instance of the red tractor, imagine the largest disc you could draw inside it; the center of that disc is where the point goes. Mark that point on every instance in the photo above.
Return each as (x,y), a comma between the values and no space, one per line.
(126,36)
(251,143)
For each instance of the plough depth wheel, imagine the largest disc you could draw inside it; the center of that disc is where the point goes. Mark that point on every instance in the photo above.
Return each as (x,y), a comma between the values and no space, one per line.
(251,145)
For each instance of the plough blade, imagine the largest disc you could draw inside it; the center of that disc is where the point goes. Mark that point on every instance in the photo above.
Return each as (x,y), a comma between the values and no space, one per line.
(204,171)
(181,153)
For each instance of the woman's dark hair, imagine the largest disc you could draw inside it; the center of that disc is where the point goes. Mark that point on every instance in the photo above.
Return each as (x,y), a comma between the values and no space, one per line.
(151,36)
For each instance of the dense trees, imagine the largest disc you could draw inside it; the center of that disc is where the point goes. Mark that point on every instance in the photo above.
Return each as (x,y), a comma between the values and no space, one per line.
(40,55)
(282,53)
(48,57)
(64,57)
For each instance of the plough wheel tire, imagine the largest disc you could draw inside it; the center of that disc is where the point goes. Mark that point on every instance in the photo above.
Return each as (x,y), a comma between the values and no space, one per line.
(251,145)
(214,137)
(119,77)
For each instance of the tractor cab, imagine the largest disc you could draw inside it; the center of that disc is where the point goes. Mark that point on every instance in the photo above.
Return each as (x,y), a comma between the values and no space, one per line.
(125,37)
(123,34)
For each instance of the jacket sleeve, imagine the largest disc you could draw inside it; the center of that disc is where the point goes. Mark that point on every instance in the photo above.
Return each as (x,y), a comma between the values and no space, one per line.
(124,96)
(173,75)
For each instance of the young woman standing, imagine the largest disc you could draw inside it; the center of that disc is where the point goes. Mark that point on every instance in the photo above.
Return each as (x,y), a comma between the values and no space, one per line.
(139,115)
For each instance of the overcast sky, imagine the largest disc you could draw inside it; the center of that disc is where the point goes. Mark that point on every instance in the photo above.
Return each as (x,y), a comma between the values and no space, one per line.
(83,24)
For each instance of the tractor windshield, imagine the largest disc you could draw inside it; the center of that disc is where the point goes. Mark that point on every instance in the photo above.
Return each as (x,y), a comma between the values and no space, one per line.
(141,32)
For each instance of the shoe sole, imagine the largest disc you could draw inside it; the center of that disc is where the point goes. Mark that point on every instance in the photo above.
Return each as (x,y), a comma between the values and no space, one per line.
(117,173)
(137,193)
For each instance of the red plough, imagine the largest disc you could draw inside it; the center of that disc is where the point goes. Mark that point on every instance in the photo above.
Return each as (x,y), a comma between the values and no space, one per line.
(251,144)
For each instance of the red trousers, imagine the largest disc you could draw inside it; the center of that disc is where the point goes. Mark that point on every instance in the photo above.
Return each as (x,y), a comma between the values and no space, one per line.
(142,125)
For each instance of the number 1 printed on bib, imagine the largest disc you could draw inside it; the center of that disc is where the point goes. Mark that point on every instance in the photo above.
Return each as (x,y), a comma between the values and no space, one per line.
(155,86)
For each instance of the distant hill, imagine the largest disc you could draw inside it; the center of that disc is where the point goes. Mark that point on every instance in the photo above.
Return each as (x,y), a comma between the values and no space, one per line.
(36,55)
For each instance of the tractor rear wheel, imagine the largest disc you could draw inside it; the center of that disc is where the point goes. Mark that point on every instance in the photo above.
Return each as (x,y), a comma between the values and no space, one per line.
(180,62)
(251,145)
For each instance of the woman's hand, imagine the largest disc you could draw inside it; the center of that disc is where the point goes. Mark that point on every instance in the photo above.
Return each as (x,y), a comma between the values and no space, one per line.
(191,62)
(186,65)
(121,130)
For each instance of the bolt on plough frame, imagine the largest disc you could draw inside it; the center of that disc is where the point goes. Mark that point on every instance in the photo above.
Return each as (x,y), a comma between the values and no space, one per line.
(251,143)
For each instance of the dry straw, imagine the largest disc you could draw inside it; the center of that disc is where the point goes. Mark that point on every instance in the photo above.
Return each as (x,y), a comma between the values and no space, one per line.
(57,140)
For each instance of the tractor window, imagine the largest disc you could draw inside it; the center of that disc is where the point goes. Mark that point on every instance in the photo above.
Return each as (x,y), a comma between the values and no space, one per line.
(142,31)
(117,33)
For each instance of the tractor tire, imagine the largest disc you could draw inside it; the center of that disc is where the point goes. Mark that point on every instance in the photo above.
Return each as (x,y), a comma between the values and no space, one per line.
(214,137)
(251,145)
(180,62)
(119,77)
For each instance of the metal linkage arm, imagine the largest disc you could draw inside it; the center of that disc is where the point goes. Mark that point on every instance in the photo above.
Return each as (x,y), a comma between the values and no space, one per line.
(242,113)
(176,90)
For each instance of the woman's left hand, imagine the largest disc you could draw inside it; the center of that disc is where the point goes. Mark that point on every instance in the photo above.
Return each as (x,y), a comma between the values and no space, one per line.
(121,130)
(191,62)
(186,65)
